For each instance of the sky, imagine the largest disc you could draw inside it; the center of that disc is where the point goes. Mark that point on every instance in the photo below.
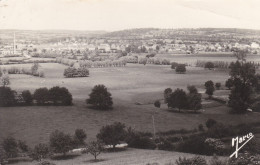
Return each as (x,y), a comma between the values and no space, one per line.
(112,15)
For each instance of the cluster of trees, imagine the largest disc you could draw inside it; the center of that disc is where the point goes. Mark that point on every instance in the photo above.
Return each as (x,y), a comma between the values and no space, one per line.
(65,61)
(153,60)
(212,64)
(34,70)
(73,72)
(59,142)
(181,100)
(55,95)
(243,83)
(179,68)
(102,64)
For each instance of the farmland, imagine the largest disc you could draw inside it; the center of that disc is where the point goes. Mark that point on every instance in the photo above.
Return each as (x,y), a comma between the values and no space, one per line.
(129,85)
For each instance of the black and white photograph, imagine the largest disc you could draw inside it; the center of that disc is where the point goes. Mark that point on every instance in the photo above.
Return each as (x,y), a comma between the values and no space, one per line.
(129,82)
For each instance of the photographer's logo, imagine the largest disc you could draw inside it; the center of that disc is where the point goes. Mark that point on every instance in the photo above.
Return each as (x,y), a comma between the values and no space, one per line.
(240,140)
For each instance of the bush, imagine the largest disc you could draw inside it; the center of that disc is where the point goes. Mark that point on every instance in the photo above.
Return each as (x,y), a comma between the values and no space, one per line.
(23,146)
(27,97)
(197,160)
(10,147)
(41,95)
(70,72)
(40,151)
(7,97)
(209,65)
(194,144)
(165,145)
(79,137)
(210,123)
(112,134)
(100,97)
(60,95)
(139,140)
(218,85)
(181,68)
(174,65)
(215,161)
(157,104)
(60,142)
(82,72)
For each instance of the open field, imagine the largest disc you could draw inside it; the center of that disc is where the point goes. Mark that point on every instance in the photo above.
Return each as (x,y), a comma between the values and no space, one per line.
(128,85)
(128,157)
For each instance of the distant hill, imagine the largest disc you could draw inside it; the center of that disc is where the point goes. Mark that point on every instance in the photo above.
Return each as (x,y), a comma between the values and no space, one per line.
(45,35)
(199,34)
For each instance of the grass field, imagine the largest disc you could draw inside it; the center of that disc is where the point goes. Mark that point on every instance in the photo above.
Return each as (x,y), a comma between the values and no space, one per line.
(128,85)
(128,157)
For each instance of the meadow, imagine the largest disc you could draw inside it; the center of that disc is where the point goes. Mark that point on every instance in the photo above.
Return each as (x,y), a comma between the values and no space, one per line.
(134,89)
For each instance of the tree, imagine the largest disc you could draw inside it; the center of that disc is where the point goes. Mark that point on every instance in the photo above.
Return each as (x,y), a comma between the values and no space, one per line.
(100,97)
(27,97)
(95,148)
(83,72)
(35,68)
(79,137)
(5,80)
(157,104)
(7,97)
(41,95)
(229,83)
(112,134)
(209,65)
(1,72)
(209,88)
(60,142)
(181,68)
(40,151)
(240,55)
(166,94)
(178,99)
(194,98)
(194,101)
(245,82)
(10,147)
(218,85)
(60,95)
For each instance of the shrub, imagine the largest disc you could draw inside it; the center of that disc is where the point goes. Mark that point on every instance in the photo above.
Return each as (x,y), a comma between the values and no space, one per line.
(209,65)
(41,95)
(139,140)
(7,97)
(197,160)
(27,97)
(79,137)
(60,142)
(40,151)
(214,146)
(100,97)
(165,145)
(210,123)
(70,72)
(216,161)
(181,68)
(23,146)
(174,65)
(194,144)
(218,85)
(201,127)
(10,147)
(157,104)
(112,134)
